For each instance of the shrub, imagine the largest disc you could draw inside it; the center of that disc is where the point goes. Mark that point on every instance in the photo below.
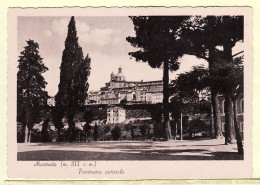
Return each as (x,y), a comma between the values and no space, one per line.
(143,129)
(95,132)
(116,132)
(158,130)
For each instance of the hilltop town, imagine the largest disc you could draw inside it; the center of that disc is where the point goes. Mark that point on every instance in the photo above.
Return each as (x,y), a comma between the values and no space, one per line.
(203,101)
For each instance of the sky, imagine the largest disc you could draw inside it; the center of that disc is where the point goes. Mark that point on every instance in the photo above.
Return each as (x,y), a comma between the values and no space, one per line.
(103,38)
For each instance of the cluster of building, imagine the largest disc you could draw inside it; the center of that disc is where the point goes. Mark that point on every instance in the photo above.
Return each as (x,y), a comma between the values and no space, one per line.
(118,89)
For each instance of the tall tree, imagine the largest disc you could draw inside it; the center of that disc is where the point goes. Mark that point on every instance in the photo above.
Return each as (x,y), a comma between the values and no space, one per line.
(238,76)
(158,40)
(74,72)
(204,35)
(231,76)
(198,32)
(230,30)
(31,94)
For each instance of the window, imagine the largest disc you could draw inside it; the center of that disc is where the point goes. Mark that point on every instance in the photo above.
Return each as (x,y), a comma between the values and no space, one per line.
(241,127)
(223,126)
(242,106)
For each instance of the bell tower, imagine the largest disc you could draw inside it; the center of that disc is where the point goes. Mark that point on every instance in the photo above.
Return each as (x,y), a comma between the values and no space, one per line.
(120,69)
(112,76)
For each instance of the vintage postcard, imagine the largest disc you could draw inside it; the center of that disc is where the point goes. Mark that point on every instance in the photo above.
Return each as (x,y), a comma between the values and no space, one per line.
(130,93)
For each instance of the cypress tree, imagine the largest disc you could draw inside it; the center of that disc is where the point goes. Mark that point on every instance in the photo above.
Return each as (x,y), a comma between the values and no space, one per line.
(74,72)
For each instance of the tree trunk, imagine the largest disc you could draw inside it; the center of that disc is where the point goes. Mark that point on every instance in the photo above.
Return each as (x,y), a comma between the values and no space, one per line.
(85,136)
(213,132)
(44,133)
(132,133)
(176,128)
(166,116)
(71,127)
(181,127)
(229,114)
(217,133)
(148,132)
(27,124)
(29,135)
(229,120)
(237,130)
(216,115)
(59,139)
(26,134)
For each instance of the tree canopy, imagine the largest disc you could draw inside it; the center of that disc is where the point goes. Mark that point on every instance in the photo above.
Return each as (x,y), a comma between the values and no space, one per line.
(31,94)
(74,73)
(158,40)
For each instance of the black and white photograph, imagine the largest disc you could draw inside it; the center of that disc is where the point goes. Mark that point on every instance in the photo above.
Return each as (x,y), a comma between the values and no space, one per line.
(131,87)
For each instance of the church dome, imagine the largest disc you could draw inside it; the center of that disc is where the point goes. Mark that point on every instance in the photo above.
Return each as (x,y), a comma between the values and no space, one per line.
(120,76)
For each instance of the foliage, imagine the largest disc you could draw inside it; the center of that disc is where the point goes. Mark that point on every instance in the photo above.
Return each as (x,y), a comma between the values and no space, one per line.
(201,34)
(127,127)
(123,102)
(44,132)
(74,74)
(157,39)
(158,130)
(137,113)
(95,132)
(132,133)
(159,43)
(20,133)
(57,115)
(184,91)
(156,113)
(116,132)
(31,94)
(229,74)
(143,128)
(198,124)
(106,129)
(88,116)
(36,136)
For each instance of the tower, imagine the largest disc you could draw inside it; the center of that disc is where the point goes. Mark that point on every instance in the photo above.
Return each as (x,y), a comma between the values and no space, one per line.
(120,76)
(112,76)
(120,69)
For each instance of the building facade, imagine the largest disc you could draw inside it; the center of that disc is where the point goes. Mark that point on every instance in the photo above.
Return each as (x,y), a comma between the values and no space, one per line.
(115,115)
(240,112)
(118,89)
(206,95)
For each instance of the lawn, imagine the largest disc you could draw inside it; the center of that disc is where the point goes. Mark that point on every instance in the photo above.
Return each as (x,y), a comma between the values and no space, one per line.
(206,149)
